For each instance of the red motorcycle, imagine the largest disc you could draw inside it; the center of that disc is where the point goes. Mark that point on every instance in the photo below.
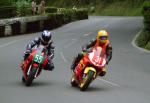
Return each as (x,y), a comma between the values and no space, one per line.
(91,64)
(32,66)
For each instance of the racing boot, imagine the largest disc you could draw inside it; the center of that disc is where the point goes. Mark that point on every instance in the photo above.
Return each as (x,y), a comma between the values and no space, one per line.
(103,72)
(78,72)
(49,66)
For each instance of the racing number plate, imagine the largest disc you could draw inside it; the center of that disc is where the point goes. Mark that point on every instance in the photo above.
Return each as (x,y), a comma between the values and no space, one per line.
(38,58)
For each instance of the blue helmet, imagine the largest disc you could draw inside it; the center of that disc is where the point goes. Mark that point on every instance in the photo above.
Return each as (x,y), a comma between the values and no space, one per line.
(46,37)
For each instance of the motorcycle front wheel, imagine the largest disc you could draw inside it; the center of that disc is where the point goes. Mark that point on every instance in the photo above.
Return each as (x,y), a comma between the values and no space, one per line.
(30,77)
(86,81)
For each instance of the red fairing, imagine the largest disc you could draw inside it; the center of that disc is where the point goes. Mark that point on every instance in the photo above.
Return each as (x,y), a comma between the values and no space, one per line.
(94,58)
(35,65)
(27,62)
(85,60)
(45,61)
(78,71)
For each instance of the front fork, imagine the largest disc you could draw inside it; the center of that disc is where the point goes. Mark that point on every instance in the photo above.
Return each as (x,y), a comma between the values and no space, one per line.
(79,79)
(87,69)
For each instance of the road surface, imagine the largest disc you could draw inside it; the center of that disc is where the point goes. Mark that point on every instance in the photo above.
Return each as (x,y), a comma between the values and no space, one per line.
(127,79)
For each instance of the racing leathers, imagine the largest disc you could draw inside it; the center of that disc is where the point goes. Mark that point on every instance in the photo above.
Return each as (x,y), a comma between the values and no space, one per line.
(49,47)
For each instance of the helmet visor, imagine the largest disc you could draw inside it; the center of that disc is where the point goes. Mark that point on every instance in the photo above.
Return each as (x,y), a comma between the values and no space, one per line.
(103,38)
(45,41)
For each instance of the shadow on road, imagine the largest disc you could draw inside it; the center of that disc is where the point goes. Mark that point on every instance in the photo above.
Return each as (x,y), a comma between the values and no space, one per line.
(34,84)
(92,89)
(98,89)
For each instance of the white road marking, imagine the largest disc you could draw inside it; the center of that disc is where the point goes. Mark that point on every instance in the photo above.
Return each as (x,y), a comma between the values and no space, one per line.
(87,34)
(134,44)
(106,25)
(69,44)
(10,43)
(63,57)
(113,84)
(103,26)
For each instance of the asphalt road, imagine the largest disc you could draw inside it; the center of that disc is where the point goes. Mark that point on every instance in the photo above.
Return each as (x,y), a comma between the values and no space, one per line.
(127,79)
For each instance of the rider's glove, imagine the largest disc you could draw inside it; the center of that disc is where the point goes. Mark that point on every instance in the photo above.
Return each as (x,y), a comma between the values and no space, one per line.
(84,49)
(89,50)
(28,51)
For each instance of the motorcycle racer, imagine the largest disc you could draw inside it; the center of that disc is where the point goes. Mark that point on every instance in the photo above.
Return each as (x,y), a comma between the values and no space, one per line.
(44,39)
(102,41)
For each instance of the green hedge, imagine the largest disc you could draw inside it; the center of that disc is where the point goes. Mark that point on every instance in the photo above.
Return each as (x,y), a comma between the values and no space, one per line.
(146,14)
(144,38)
(64,16)
(7,12)
(82,14)
(50,9)
(148,45)
(74,14)
(69,15)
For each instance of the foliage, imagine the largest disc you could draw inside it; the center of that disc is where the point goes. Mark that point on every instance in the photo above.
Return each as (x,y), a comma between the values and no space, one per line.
(7,11)
(103,7)
(118,9)
(143,39)
(148,45)
(50,9)
(5,2)
(23,7)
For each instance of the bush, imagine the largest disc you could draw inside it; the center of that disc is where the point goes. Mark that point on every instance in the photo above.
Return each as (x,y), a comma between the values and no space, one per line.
(74,14)
(143,39)
(148,45)
(68,14)
(7,12)
(23,7)
(82,14)
(146,14)
(64,16)
(50,9)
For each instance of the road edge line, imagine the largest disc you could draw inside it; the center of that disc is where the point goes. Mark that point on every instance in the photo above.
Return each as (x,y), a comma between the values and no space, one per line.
(111,83)
(134,44)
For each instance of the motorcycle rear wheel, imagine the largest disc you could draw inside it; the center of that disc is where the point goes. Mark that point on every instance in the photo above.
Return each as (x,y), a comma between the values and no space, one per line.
(73,82)
(23,79)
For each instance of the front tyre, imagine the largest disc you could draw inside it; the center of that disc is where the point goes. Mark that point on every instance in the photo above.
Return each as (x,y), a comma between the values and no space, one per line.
(30,78)
(29,81)
(86,81)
